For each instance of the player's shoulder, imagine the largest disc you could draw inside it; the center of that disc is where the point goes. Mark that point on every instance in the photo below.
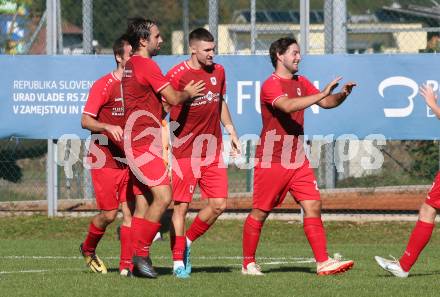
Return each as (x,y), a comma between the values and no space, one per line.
(219,67)
(138,60)
(272,80)
(302,79)
(177,70)
(105,80)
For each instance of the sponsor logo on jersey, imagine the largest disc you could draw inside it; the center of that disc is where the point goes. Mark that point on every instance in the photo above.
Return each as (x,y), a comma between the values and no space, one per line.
(209,96)
(127,72)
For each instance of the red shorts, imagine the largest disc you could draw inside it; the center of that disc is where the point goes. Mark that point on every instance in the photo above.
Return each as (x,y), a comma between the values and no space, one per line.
(271,185)
(212,179)
(151,174)
(433,198)
(112,186)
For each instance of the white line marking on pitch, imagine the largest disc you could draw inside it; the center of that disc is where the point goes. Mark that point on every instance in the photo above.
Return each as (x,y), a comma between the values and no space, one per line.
(40,270)
(83,269)
(296,259)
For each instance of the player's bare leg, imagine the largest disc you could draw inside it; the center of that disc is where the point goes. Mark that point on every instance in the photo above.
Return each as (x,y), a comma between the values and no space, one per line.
(251,236)
(315,233)
(427,213)
(210,213)
(161,201)
(96,231)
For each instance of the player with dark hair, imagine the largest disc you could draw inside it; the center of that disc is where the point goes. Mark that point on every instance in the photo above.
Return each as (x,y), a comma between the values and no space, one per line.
(198,160)
(422,231)
(104,115)
(281,164)
(143,85)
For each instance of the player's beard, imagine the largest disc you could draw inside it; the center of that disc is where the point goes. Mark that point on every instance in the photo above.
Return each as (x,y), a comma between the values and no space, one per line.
(154,52)
(293,68)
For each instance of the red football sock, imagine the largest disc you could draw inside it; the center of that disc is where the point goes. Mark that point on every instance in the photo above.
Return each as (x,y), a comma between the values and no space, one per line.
(251,236)
(93,237)
(126,248)
(197,229)
(143,232)
(178,244)
(418,240)
(315,234)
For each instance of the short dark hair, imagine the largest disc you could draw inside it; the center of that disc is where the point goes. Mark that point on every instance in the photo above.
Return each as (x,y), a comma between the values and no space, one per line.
(200,34)
(280,47)
(118,46)
(138,28)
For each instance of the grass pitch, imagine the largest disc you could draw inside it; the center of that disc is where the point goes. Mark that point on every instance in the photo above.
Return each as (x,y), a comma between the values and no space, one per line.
(39,257)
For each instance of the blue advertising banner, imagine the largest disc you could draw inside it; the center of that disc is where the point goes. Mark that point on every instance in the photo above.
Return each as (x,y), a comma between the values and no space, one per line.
(43,96)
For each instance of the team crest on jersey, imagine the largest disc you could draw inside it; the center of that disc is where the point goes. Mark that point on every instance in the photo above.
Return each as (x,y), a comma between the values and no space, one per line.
(298,91)
(213,81)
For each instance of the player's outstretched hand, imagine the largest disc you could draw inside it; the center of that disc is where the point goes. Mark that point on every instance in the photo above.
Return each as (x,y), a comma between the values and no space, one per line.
(347,88)
(429,95)
(114,131)
(195,89)
(329,88)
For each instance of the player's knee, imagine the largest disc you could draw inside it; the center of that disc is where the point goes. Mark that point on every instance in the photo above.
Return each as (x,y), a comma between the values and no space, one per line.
(259,215)
(427,212)
(110,216)
(312,208)
(218,209)
(164,200)
(180,210)
(126,219)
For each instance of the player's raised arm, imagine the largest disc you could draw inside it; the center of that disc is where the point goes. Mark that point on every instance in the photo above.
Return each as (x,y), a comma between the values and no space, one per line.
(288,105)
(333,100)
(430,97)
(191,90)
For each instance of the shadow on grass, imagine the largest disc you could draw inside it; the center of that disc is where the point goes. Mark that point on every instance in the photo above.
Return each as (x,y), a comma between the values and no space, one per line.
(167,270)
(212,269)
(290,269)
(437,272)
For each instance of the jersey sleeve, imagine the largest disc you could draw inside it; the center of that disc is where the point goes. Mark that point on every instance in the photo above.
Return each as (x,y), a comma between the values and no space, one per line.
(174,79)
(151,73)
(98,96)
(272,91)
(310,88)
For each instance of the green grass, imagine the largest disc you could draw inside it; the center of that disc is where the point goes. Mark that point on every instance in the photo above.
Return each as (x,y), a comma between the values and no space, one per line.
(216,262)
(386,178)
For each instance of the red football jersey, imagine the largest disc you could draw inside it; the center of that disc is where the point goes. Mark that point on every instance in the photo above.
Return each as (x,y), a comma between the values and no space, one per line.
(283,128)
(106,105)
(141,84)
(198,118)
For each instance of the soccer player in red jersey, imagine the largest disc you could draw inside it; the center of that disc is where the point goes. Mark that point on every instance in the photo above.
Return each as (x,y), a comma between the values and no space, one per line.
(104,115)
(143,85)
(281,164)
(422,231)
(197,146)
